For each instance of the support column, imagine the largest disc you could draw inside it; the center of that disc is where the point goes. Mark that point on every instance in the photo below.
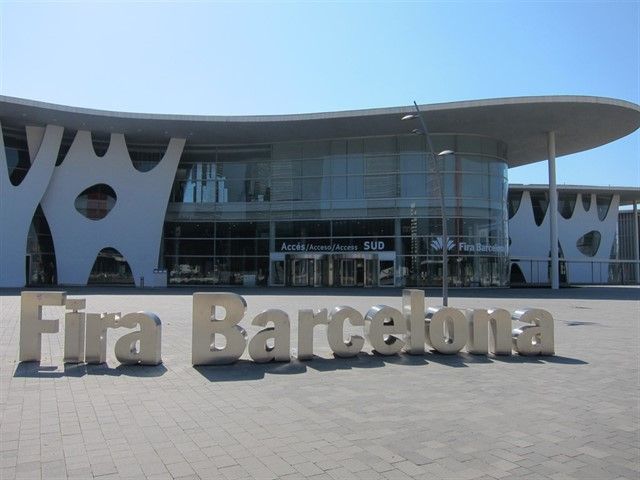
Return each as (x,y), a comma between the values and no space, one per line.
(272,249)
(399,278)
(636,242)
(553,211)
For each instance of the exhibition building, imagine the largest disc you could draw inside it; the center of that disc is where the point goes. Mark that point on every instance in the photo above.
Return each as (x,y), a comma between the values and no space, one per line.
(340,199)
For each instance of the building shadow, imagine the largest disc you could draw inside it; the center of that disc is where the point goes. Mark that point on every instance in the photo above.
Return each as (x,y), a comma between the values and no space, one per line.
(35,370)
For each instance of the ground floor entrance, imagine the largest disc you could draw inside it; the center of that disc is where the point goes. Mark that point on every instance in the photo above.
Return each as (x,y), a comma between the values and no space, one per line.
(333,270)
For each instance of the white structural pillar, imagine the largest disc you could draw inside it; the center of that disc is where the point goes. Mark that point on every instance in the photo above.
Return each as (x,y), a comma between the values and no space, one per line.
(636,242)
(553,211)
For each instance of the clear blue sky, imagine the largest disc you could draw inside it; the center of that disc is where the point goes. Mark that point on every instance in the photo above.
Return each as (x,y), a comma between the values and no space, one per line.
(267,58)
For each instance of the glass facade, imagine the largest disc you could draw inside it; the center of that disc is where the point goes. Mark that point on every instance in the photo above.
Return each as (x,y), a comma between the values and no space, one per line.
(342,212)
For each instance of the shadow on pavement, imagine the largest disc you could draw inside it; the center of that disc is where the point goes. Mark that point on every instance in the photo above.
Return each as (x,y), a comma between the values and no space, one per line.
(35,370)
(247,370)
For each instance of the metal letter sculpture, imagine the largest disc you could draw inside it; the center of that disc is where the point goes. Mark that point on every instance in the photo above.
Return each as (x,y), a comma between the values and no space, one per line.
(259,350)
(381,322)
(74,330)
(206,326)
(413,312)
(149,336)
(388,330)
(536,339)
(96,344)
(447,329)
(32,326)
(479,332)
(335,332)
(307,320)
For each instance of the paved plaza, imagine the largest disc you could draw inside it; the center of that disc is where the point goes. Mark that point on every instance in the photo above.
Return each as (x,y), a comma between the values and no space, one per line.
(572,416)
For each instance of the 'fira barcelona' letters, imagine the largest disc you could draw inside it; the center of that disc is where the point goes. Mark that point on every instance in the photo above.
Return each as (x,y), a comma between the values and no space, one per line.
(218,339)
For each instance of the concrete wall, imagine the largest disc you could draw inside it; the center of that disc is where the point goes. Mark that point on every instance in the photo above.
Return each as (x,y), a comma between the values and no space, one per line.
(18,203)
(530,241)
(133,226)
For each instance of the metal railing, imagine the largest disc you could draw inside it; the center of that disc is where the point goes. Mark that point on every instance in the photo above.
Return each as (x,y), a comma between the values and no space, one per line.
(577,271)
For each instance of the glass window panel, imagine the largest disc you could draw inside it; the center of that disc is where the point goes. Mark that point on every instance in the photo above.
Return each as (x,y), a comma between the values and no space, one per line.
(231,246)
(381,164)
(189,247)
(489,147)
(312,167)
(566,204)
(339,165)
(316,149)
(413,185)
(355,146)
(475,185)
(514,202)
(468,144)
(189,229)
(242,229)
(355,165)
(311,188)
(338,147)
(380,186)
(473,164)
(338,188)
(287,151)
(303,229)
(380,145)
(355,187)
(443,142)
(589,243)
(603,203)
(539,202)
(364,228)
(412,163)
(411,143)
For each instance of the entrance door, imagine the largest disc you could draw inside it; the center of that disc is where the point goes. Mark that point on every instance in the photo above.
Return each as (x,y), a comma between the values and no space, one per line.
(300,272)
(387,273)
(306,272)
(347,272)
(358,272)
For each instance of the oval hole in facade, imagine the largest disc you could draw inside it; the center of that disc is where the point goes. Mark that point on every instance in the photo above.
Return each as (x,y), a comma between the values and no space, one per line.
(96,201)
(110,268)
(589,243)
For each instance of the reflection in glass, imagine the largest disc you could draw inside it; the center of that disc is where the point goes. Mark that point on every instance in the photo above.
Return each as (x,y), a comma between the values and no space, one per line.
(110,267)
(566,204)
(589,243)
(340,192)
(514,202)
(603,203)
(539,202)
(96,201)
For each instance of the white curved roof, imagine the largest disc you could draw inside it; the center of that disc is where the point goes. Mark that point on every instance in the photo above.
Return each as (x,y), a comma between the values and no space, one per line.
(580,123)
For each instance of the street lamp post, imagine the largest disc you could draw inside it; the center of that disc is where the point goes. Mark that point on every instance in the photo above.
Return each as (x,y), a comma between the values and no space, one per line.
(440,186)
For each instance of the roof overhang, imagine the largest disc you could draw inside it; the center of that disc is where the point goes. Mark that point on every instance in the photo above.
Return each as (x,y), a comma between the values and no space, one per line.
(580,123)
(627,194)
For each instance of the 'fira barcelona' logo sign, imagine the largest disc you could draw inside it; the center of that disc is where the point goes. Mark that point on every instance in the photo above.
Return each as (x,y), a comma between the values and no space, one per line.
(390,331)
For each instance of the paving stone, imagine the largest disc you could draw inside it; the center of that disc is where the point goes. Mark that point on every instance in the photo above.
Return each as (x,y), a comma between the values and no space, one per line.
(572,416)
